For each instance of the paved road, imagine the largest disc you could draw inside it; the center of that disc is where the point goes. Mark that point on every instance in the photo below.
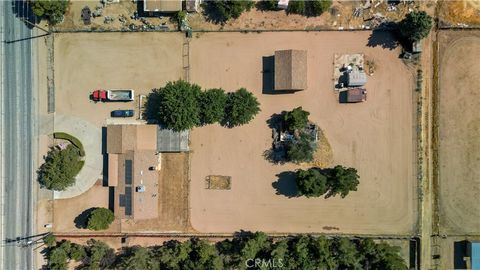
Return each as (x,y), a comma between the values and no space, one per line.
(16,164)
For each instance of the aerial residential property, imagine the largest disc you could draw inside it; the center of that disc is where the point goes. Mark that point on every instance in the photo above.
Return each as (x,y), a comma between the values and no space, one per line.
(252,134)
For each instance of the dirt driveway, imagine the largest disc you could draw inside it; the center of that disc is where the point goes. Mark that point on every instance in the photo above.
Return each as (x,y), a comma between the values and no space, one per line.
(376,137)
(88,61)
(459,133)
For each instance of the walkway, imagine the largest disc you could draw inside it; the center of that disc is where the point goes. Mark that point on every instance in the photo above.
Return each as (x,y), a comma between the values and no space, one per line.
(91,138)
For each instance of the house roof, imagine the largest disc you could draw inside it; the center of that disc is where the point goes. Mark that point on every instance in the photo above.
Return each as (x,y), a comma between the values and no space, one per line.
(162,5)
(356,95)
(290,70)
(112,170)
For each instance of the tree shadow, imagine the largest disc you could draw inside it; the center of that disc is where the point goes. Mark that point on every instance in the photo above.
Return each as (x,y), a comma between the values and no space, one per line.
(151,106)
(81,220)
(22,10)
(285,184)
(383,38)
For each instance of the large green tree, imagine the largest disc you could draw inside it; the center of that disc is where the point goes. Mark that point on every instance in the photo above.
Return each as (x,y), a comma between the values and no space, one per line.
(241,107)
(100,219)
(311,182)
(60,168)
(296,119)
(175,105)
(415,26)
(342,181)
(138,258)
(52,10)
(212,106)
(220,11)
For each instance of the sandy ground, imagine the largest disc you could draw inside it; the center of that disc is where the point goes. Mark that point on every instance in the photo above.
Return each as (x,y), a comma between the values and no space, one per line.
(459,133)
(375,137)
(85,62)
(67,213)
(460,12)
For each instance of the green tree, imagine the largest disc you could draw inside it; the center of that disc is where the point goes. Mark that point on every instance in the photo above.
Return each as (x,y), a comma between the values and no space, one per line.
(60,168)
(175,105)
(77,252)
(50,240)
(57,259)
(300,256)
(138,258)
(309,8)
(342,181)
(173,253)
(202,256)
(346,254)
(52,10)
(296,119)
(99,255)
(415,26)
(267,5)
(100,219)
(241,107)
(212,106)
(220,11)
(321,249)
(302,149)
(311,182)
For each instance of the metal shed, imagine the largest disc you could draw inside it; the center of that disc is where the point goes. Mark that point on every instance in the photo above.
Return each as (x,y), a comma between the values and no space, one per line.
(356,77)
(172,141)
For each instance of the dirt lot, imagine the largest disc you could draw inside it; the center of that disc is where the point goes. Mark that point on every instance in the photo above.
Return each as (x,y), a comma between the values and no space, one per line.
(376,137)
(84,62)
(459,132)
(460,12)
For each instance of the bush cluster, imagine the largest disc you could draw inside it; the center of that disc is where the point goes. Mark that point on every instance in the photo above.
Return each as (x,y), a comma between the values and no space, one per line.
(60,168)
(297,252)
(309,8)
(52,10)
(316,182)
(181,106)
(220,11)
(73,140)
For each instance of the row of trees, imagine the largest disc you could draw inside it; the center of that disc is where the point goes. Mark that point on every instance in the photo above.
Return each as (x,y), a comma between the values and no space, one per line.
(60,168)
(181,106)
(250,250)
(315,182)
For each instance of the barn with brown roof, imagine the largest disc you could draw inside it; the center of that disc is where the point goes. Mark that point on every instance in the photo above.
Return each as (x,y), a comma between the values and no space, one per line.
(291,70)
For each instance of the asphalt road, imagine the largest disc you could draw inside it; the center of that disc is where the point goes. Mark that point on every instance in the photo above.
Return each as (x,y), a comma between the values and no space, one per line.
(16,166)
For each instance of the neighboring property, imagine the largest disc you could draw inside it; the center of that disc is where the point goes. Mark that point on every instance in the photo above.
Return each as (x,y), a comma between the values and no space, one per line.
(291,70)
(356,77)
(473,252)
(161,6)
(354,95)
(133,164)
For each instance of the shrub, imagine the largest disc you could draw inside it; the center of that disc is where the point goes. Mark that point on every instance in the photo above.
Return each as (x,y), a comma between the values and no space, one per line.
(342,181)
(267,5)
(220,11)
(60,168)
(302,149)
(52,10)
(309,8)
(100,219)
(71,139)
(241,107)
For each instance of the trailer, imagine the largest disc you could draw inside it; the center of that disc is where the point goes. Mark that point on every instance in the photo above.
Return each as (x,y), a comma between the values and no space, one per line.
(113,95)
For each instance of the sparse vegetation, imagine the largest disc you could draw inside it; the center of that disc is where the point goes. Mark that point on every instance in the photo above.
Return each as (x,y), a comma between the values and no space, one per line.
(298,252)
(60,168)
(301,149)
(52,10)
(316,182)
(220,11)
(100,219)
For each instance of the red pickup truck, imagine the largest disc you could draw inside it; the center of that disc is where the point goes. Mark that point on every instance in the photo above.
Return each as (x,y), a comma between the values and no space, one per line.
(113,95)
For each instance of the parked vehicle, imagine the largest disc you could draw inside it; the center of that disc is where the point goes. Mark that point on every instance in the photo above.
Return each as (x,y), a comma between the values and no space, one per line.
(122,113)
(113,95)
